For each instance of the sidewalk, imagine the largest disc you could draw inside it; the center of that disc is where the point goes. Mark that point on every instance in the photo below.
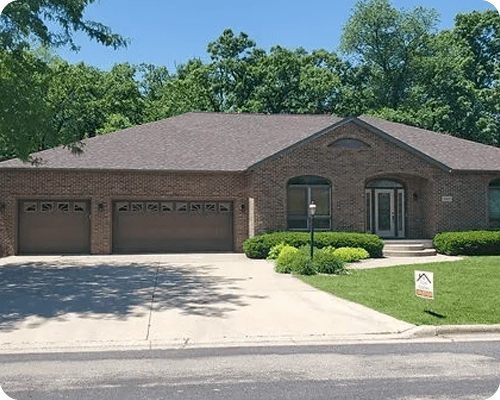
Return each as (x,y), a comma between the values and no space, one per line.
(173,301)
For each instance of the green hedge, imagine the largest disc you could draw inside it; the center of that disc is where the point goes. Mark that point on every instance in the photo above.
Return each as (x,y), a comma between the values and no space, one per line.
(468,243)
(259,245)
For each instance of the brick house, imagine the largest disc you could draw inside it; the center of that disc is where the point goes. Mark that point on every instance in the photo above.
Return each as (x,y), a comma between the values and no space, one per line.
(208,181)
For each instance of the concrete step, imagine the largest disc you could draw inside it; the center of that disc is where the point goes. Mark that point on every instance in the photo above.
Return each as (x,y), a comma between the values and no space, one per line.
(409,248)
(409,253)
(405,247)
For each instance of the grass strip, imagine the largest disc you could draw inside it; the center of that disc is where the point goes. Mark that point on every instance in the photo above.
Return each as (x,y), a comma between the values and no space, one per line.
(465,292)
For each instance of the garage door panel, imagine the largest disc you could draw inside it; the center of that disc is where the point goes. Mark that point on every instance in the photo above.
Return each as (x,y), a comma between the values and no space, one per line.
(53,227)
(169,226)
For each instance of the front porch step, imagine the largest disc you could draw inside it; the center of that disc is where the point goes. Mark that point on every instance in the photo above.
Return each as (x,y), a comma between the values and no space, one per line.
(409,248)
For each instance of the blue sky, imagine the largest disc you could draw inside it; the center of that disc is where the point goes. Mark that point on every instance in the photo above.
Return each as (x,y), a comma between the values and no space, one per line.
(166,32)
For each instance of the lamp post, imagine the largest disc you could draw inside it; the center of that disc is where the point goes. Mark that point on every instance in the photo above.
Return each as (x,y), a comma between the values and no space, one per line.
(312,211)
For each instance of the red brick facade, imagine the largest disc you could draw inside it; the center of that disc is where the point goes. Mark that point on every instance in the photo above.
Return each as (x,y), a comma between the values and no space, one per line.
(435,198)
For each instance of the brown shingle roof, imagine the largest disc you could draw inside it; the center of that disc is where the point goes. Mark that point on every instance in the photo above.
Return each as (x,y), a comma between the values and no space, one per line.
(189,142)
(235,142)
(449,151)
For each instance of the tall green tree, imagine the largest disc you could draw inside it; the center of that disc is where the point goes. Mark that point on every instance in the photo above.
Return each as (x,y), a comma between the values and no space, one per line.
(388,41)
(456,87)
(229,72)
(30,120)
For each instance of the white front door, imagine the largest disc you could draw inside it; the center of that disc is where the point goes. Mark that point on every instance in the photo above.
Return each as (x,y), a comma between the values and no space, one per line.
(385,217)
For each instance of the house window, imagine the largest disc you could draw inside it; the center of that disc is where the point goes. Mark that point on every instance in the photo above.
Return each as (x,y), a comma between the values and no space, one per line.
(349,143)
(494,200)
(303,190)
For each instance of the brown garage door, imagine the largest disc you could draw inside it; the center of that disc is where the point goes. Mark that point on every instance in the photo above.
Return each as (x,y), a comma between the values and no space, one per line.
(172,226)
(53,227)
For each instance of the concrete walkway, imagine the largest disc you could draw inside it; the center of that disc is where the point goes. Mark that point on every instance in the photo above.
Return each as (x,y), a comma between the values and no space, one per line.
(58,303)
(393,261)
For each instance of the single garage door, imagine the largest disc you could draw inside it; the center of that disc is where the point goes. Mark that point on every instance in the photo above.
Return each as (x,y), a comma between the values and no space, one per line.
(53,227)
(172,226)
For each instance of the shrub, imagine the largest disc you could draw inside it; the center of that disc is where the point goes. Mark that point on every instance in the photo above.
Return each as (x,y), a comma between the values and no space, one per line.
(327,263)
(350,254)
(290,260)
(275,251)
(468,243)
(306,267)
(260,245)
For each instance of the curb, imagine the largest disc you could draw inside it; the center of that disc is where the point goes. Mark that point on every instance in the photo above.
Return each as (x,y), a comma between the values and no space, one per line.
(426,331)
(419,333)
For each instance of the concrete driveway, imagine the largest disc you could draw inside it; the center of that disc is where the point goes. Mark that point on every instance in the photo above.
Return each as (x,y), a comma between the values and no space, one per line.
(146,301)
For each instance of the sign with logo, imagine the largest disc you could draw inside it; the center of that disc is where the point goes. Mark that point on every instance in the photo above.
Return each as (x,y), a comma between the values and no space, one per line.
(424,284)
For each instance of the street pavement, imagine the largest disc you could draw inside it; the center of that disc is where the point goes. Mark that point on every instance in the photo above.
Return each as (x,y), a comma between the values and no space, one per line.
(74,303)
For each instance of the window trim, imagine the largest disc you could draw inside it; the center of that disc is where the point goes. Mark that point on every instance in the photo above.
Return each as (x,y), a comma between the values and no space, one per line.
(303,183)
(494,187)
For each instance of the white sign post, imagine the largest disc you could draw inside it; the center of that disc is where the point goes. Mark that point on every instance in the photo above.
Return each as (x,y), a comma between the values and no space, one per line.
(424,284)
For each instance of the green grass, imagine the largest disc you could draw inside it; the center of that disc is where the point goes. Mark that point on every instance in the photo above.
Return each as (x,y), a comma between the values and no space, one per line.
(465,292)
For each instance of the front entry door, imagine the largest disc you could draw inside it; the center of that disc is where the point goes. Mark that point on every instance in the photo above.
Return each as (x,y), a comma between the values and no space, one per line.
(385,225)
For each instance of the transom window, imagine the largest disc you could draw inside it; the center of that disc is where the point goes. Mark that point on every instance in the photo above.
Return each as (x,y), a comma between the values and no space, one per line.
(303,190)
(384,183)
(494,199)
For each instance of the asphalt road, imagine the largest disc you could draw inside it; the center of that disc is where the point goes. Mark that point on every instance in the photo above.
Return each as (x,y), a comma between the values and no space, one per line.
(438,371)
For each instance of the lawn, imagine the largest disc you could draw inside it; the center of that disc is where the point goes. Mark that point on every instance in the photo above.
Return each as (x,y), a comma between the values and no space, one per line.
(465,292)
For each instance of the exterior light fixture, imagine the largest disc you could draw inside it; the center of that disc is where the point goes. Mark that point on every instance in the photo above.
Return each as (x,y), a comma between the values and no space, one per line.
(312,211)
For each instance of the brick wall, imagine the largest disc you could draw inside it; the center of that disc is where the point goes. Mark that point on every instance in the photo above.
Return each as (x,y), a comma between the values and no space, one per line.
(428,189)
(102,188)
(349,170)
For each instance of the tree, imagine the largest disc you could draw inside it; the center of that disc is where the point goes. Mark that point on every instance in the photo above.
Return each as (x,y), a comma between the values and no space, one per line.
(51,23)
(457,86)
(31,118)
(25,115)
(229,73)
(388,41)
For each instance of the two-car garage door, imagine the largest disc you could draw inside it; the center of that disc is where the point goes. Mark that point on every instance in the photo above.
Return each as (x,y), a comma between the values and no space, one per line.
(172,226)
(63,227)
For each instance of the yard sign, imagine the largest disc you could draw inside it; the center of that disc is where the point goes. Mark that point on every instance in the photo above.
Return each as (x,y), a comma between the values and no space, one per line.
(424,284)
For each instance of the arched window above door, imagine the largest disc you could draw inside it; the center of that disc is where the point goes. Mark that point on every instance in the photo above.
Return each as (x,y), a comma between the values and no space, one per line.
(301,191)
(384,183)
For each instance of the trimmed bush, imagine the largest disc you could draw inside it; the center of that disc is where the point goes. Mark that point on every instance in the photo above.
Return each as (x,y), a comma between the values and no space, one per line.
(275,251)
(350,254)
(327,263)
(468,243)
(260,245)
(289,261)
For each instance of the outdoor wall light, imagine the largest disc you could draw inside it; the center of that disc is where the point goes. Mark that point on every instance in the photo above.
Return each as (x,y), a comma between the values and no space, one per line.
(312,211)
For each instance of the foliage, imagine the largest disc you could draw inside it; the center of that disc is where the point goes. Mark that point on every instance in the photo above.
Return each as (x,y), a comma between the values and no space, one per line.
(392,291)
(289,260)
(388,41)
(24,112)
(306,267)
(397,67)
(260,245)
(455,87)
(275,251)
(350,254)
(468,243)
(327,263)
(51,23)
